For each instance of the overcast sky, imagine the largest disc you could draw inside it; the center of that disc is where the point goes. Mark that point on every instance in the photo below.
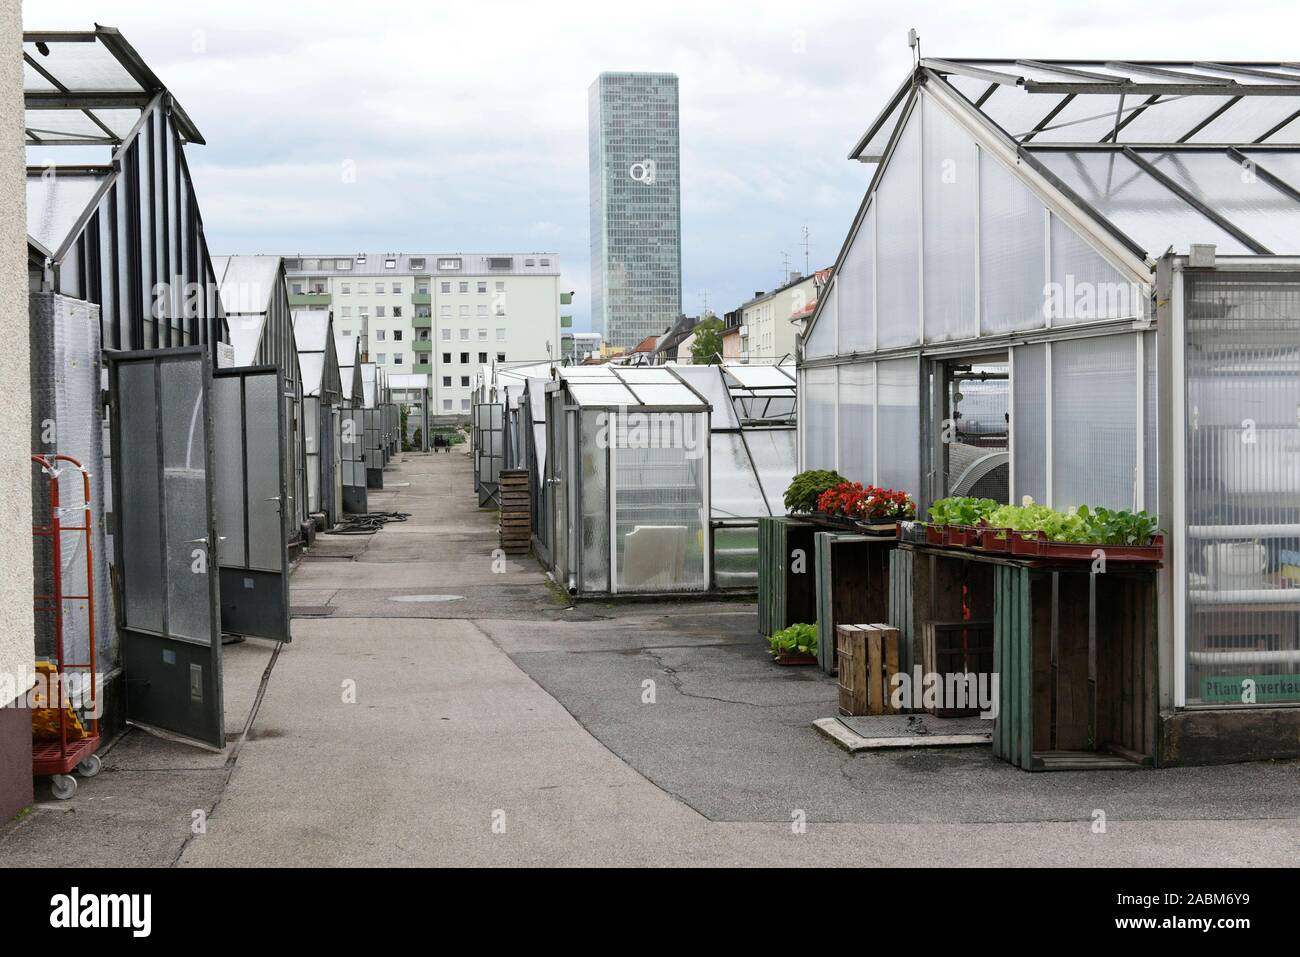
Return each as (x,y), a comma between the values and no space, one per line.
(466,124)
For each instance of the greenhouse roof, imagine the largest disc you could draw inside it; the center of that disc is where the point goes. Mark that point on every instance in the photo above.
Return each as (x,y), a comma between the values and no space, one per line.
(645,387)
(88,87)
(1155,151)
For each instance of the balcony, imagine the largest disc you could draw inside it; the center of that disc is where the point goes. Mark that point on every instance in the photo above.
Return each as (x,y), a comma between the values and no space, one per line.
(422,322)
(422,346)
(309,299)
(421,298)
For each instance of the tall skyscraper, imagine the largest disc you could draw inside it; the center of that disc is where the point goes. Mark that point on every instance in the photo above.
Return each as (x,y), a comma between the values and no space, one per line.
(636,209)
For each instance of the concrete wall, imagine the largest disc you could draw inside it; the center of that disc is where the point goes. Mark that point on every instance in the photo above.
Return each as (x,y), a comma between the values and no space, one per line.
(16,628)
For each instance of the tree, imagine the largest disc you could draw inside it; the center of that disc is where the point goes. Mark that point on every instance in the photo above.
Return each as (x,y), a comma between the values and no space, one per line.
(706,350)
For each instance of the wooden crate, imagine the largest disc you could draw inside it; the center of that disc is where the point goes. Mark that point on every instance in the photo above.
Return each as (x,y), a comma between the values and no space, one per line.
(515,528)
(956,647)
(786,574)
(852,585)
(869,657)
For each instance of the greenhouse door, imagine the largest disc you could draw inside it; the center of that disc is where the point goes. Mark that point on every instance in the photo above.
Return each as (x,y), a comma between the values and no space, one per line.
(164,532)
(253,482)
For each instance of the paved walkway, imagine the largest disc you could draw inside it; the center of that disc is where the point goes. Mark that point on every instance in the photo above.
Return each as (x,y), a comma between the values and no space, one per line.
(405,726)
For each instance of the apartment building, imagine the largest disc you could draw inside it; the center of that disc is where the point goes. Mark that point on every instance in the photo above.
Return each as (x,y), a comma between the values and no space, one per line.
(445,315)
(767,333)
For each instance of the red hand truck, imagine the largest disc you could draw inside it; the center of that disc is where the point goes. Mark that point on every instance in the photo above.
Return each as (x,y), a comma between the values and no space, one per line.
(58,757)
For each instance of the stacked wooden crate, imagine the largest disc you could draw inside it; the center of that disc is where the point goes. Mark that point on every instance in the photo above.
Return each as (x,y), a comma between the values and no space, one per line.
(516,519)
(869,657)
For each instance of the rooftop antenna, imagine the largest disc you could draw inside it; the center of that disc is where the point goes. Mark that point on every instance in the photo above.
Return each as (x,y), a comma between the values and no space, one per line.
(914,41)
(785,267)
(704,297)
(806,269)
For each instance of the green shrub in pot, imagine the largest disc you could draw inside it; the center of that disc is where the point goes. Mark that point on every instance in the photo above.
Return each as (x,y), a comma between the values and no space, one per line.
(806,487)
(799,639)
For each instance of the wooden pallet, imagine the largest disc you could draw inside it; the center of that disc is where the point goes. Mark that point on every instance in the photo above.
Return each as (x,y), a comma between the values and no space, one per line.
(516,524)
(869,657)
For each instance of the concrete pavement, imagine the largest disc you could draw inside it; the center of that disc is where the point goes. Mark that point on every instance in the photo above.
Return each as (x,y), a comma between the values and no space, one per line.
(483,720)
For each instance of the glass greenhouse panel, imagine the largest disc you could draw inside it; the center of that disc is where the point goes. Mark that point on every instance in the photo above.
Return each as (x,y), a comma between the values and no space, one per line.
(1029,422)
(899,419)
(708,382)
(773,452)
(735,491)
(595,501)
(821,338)
(1246,200)
(898,265)
(143,578)
(185,478)
(949,190)
(611,394)
(819,418)
(1085,287)
(1016,111)
(1012,251)
(857,396)
(1170,119)
(1151,426)
(228,470)
(1085,119)
(1242,471)
(266,541)
(661,394)
(1248,120)
(1140,206)
(762,377)
(1094,422)
(660,528)
(735,557)
(1285,166)
(856,276)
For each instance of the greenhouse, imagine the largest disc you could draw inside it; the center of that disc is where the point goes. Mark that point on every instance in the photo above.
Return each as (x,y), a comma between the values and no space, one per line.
(651,480)
(322,388)
(1079,282)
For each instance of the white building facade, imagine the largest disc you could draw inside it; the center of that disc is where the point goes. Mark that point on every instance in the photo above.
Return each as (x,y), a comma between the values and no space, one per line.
(444,315)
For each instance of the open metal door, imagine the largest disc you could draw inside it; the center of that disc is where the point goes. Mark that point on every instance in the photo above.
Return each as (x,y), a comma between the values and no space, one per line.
(164,533)
(253,483)
(352,444)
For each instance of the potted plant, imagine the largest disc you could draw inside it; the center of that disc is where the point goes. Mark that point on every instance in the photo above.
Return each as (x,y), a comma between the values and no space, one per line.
(956,520)
(879,510)
(806,487)
(795,645)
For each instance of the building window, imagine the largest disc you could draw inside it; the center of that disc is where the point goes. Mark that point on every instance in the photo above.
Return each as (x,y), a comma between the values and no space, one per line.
(397,335)
(363,287)
(379,312)
(445,286)
(446,405)
(397,358)
(361,259)
(343,264)
(397,312)
(445,334)
(546,262)
(347,332)
(422,359)
(464,405)
(500,262)
(482,310)
(464,310)
(446,382)
(390,263)
(464,382)
(448,263)
(500,309)
(379,289)
(463,287)
(501,335)
(482,335)
(446,358)
(347,311)
(445,311)
(464,335)
(297,289)
(422,287)
(347,288)
(464,358)
(482,358)
(501,285)
(381,357)
(482,287)
(501,357)
(311,265)
(380,334)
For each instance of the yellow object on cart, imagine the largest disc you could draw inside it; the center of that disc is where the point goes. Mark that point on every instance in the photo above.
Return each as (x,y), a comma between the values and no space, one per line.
(45,720)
